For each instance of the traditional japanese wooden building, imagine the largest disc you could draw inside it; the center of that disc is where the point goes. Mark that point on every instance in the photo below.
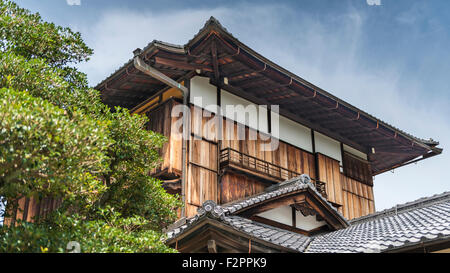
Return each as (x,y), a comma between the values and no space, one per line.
(289,169)
(338,145)
(289,158)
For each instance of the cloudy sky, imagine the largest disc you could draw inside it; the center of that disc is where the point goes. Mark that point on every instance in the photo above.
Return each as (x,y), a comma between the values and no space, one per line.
(390,58)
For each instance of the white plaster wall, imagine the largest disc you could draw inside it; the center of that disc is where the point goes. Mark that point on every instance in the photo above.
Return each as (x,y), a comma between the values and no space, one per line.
(328,146)
(291,132)
(200,87)
(281,214)
(246,112)
(307,222)
(355,152)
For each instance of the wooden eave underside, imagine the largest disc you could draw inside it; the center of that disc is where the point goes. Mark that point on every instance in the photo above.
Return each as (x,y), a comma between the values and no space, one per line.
(195,239)
(217,54)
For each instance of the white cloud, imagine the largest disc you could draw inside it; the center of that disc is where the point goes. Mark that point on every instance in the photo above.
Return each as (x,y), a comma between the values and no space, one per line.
(73,2)
(327,56)
(118,32)
(373,2)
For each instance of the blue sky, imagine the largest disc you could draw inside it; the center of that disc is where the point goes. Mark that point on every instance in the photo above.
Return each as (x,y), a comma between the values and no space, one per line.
(391,60)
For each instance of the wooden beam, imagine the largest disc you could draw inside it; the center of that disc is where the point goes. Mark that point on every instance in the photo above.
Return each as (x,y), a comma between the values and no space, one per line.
(363,132)
(298,98)
(279,225)
(212,246)
(143,87)
(142,78)
(392,153)
(120,100)
(328,214)
(202,45)
(249,81)
(224,235)
(328,115)
(125,94)
(168,55)
(345,127)
(238,73)
(296,197)
(180,64)
(214,60)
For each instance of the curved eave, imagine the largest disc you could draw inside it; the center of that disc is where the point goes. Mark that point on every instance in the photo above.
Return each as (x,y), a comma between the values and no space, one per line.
(424,148)
(213,24)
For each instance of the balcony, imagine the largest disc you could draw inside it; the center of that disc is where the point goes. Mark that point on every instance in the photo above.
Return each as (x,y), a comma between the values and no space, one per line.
(257,167)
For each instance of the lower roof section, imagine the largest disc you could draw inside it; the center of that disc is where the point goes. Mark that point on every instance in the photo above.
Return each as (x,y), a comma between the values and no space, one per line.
(422,225)
(407,227)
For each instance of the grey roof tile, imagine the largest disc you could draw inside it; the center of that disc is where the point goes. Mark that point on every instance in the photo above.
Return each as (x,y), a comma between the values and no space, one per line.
(413,222)
(410,223)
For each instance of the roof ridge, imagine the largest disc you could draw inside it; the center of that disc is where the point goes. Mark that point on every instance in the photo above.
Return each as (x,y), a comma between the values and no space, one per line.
(401,208)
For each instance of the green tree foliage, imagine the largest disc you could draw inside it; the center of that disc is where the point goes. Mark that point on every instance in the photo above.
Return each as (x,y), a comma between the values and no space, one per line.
(28,35)
(33,134)
(111,232)
(57,139)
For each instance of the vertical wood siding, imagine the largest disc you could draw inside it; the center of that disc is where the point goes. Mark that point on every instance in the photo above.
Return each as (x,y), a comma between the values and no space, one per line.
(357,198)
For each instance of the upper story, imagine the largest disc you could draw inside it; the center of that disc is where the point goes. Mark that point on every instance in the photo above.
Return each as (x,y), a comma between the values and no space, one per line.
(253,123)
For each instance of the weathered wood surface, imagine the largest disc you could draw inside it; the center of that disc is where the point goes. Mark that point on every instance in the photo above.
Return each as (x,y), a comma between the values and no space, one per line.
(329,172)
(31,209)
(234,186)
(358,169)
(358,198)
(161,121)
(355,197)
(285,155)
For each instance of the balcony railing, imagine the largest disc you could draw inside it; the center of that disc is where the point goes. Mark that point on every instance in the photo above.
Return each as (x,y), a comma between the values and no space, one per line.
(229,156)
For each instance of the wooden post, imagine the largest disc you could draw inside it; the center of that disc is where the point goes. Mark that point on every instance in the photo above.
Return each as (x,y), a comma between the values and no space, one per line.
(212,248)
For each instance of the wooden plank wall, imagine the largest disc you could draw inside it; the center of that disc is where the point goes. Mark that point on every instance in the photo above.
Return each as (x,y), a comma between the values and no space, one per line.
(357,168)
(329,173)
(201,181)
(286,155)
(160,121)
(30,209)
(357,198)
(234,186)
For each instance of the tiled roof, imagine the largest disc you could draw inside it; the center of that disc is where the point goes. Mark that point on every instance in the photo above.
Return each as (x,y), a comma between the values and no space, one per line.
(423,220)
(404,225)
(268,233)
(277,236)
(261,231)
